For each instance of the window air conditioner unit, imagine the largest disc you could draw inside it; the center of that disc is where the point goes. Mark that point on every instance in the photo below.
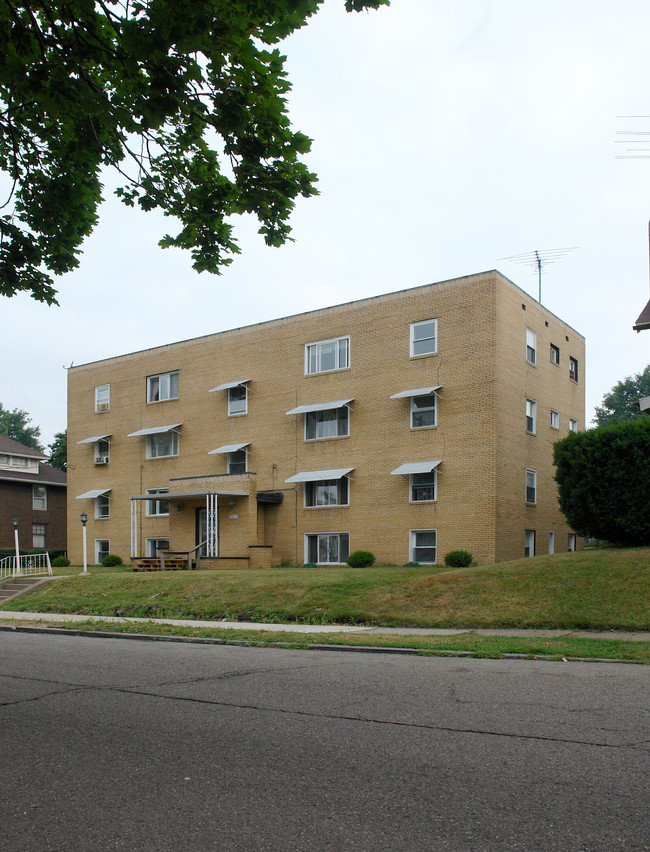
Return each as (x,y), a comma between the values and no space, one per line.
(103,406)
(101,460)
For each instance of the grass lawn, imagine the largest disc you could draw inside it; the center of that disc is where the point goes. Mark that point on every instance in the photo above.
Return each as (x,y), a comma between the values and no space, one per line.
(606,589)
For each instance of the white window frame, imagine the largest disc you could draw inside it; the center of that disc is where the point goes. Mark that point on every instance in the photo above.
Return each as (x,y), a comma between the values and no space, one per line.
(530,543)
(531,346)
(531,416)
(157,508)
(152,442)
(342,537)
(573,369)
(99,554)
(572,543)
(314,355)
(573,425)
(39,501)
(102,398)
(163,386)
(318,489)
(102,457)
(19,461)
(150,550)
(339,416)
(555,419)
(414,547)
(555,354)
(234,460)
(102,507)
(39,531)
(414,485)
(422,409)
(531,487)
(237,406)
(416,339)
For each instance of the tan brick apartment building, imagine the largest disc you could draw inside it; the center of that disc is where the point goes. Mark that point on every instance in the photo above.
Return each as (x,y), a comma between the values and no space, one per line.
(409,424)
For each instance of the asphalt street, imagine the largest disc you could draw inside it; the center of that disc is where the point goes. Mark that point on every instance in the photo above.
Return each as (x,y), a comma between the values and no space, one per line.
(122,744)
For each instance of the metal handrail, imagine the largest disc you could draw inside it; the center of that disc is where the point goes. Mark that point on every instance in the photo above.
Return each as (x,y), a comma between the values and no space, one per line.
(26,565)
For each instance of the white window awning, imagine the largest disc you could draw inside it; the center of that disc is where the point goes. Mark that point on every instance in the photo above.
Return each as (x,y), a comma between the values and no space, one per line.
(90,495)
(227,385)
(318,475)
(416,392)
(95,438)
(154,430)
(416,467)
(229,448)
(320,406)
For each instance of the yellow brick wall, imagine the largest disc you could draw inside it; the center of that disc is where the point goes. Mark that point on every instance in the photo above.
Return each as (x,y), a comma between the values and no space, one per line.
(480,435)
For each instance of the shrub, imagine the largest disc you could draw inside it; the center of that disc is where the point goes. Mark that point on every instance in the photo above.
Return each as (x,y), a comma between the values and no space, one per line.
(458,559)
(60,562)
(110,560)
(360,559)
(411,565)
(310,565)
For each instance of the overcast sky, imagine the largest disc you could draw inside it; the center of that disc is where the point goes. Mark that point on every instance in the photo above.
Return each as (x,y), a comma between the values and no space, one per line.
(447,135)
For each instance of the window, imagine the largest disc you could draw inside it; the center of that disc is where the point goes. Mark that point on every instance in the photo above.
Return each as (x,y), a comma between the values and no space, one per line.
(162,444)
(424,337)
(18,461)
(422,546)
(102,549)
(573,369)
(237,461)
(423,411)
(555,354)
(327,492)
(555,419)
(102,506)
(153,545)
(531,486)
(327,355)
(157,507)
(102,452)
(531,346)
(573,425)
(102,398)
(551,542)
(531,416)
(529,543)
(38,535)
(237,400)
(330,423)
(163,386)
(571,545)
(39,497)
(423,487)
(327,548)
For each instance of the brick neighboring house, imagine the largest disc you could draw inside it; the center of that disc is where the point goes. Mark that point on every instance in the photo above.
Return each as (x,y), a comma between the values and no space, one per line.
(35,494)
(409,424)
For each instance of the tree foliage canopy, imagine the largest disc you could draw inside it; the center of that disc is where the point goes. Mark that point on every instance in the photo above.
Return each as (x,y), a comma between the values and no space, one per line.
(185,98)
(59,451)
(603,477)
(15,424)
(622,402)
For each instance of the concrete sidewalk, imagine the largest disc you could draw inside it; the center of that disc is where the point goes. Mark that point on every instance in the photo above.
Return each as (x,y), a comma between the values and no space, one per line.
(43,618)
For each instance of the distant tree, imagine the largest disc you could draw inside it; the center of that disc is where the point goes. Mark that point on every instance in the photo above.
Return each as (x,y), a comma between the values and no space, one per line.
(59,451)
(603,478)
(14,424)
(185,100)
(622,402)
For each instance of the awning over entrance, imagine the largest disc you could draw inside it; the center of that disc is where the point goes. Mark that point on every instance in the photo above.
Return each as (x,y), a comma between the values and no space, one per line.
(318,475)
(320,406)
(175,496)
(154,430)
(228,385)
(97,492)
(416,467)
(229,448)
(95,438)
(416,392)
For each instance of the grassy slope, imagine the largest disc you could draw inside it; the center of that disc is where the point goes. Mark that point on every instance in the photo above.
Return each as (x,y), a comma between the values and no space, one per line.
(602,589)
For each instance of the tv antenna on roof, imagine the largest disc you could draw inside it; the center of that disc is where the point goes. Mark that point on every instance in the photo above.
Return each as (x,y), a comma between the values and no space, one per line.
(539,260)
(635,137)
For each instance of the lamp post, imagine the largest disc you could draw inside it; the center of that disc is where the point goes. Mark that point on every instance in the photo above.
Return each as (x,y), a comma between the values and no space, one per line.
(17,562)
(84,518)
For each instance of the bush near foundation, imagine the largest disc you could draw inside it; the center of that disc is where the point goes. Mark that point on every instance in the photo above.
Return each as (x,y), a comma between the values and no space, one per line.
(603,478)
(111,560)
(360,559)
(458,559)
(60,562)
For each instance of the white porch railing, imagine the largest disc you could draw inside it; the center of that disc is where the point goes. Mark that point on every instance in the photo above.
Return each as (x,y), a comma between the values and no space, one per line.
(28,565)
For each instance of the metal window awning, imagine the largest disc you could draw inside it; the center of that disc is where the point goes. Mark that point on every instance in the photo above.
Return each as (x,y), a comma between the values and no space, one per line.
(416,467)
(229,448)
(154,430)
(95,438)
(228,385)
(416,392)
(90,495)
(175,497)
(320,406)
(317,475)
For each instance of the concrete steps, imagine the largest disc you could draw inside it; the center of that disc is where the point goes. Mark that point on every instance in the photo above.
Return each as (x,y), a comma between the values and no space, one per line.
(14,586)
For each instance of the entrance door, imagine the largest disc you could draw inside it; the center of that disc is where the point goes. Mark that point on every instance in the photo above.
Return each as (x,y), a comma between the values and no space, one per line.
(202,529)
